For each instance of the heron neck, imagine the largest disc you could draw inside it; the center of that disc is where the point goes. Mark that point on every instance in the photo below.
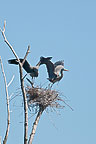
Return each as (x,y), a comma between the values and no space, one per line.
(61,74)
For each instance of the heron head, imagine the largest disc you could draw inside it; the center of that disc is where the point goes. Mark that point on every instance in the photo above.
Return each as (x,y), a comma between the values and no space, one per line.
(63,69)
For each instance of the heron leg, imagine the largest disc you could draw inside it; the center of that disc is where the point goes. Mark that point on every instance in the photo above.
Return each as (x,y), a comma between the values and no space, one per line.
(30,82)
(24,76)
(50,85)
(33,79)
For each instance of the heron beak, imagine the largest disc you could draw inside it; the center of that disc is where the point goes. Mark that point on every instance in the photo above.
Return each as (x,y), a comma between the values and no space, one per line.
(66,70)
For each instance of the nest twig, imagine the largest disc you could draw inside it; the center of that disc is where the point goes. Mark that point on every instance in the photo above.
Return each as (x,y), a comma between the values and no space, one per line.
(38,97)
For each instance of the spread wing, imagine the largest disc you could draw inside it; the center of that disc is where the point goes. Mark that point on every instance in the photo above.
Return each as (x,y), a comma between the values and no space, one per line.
(59,63)
(26,65)
(49,65)
(50,68)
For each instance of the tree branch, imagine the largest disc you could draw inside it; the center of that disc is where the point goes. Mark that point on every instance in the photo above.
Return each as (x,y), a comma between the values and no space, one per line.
(10,81)
(35,125)
(8,110)
(22,85)
(6,41)
(25,106)
(28,50)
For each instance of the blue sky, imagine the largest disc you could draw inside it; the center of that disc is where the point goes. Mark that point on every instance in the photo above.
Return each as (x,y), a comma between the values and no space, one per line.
(65,30)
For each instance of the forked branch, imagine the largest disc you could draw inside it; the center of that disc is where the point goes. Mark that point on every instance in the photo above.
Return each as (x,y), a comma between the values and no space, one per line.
(22,84)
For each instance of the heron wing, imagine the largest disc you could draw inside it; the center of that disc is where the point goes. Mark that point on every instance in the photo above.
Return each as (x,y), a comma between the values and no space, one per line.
(50,68)
(49,65)
(59,63)
(26,65)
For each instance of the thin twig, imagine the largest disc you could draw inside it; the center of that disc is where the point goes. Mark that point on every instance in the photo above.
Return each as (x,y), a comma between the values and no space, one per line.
(8,110)
(6,41)
(10,81)
(22,86)
(35,125)
(66,104)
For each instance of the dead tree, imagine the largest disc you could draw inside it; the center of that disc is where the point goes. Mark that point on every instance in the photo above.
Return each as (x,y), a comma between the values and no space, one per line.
(22,83)
(36,98)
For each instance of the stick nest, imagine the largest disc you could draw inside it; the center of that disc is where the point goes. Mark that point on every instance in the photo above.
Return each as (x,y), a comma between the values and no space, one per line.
(38,97)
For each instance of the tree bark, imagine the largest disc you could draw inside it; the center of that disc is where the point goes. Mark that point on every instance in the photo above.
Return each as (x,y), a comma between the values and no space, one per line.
(35,125)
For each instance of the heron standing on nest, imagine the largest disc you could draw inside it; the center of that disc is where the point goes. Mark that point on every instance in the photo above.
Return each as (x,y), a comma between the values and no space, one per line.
(55,71)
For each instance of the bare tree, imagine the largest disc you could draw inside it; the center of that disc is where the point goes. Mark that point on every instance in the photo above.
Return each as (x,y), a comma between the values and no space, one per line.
(37,98)
(22,83)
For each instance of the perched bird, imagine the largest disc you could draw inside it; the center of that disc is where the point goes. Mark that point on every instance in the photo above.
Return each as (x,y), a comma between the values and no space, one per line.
(55,71)
(33,71)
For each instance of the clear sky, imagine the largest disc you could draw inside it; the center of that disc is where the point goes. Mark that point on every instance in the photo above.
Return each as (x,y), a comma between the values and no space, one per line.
(65,30)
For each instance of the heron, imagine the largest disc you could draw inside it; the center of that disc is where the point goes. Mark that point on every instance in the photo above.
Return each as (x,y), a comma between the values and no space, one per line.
(33,71)
(55,70)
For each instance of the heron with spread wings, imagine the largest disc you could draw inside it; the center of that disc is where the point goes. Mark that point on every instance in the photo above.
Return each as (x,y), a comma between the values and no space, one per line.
(33,71)
(55,71)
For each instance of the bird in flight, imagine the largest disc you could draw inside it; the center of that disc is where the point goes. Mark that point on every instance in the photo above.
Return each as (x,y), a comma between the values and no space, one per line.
(33,71)
(55,71)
